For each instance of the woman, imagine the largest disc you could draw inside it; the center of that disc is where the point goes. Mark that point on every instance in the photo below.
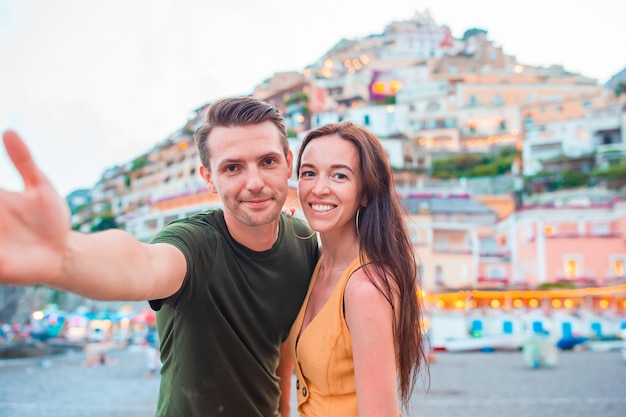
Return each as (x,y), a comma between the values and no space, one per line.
(357,341)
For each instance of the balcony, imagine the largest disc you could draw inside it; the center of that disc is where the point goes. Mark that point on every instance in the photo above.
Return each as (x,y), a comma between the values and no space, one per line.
(493,282)
(504,255)
(448,250)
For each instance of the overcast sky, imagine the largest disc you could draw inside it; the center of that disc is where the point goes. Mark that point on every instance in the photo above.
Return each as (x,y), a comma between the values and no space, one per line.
(90,84)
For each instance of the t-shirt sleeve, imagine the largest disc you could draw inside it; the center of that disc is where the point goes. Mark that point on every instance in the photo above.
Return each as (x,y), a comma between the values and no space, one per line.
(185,236)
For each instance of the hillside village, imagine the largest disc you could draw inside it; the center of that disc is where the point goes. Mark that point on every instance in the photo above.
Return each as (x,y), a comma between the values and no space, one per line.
(514,176)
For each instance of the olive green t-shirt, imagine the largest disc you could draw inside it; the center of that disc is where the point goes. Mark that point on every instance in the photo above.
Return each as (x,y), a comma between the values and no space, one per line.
(220,334)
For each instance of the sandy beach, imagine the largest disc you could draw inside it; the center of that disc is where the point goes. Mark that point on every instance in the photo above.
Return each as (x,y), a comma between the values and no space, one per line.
(462,385)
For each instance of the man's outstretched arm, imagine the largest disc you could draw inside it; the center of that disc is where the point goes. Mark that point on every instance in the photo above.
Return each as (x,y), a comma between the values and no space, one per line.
(37,245)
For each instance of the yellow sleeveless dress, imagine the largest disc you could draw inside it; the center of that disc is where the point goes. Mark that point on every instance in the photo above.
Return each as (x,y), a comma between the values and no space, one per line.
(322,355)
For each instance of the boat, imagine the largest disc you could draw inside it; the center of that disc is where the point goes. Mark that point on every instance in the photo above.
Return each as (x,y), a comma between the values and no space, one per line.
(605,344)
(487,343)
(570,342)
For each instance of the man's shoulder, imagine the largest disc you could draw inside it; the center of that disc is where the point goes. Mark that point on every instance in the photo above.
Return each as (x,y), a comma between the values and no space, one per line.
(299,233)
(297,225)
(202,223)
(295,222)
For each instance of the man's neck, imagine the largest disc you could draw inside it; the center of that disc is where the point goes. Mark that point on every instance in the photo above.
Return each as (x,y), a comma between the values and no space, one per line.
(256,238)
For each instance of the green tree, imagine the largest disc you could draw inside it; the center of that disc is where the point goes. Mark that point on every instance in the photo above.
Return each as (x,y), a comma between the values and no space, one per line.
(473,32)
(103,223)
(483,171)
(573,179)
(615,176)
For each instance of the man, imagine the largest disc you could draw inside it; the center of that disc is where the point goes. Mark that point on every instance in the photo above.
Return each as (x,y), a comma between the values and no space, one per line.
(227,284)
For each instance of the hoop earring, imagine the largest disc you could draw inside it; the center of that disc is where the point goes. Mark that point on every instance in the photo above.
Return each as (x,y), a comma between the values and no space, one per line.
(305,237)
(357,222)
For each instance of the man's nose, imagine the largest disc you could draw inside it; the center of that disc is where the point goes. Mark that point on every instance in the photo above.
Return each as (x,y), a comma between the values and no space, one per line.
(255,179)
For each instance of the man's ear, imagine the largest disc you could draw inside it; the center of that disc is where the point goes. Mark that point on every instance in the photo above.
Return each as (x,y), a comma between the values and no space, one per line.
(206,176)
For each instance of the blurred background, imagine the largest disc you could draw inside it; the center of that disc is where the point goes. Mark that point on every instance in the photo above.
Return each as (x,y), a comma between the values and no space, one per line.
(504,124)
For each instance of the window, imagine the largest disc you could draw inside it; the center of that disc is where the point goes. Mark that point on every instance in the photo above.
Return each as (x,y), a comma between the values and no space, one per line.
(572,266)
(550,147)
(619,268)
(496,272)
(432,106)
(618,264)
(488,245)
(601,229)
(439,275)
(441,243)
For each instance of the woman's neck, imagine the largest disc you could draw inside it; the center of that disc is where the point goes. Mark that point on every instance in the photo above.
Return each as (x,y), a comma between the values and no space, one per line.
(339,250)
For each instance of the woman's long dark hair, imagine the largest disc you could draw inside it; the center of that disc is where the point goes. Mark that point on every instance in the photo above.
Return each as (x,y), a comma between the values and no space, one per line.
(384,240)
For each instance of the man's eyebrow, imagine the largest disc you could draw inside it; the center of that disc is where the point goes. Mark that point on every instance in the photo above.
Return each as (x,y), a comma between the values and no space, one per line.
(228,161)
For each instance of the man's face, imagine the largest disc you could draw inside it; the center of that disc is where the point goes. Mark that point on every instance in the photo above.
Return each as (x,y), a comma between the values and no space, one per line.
(249,171)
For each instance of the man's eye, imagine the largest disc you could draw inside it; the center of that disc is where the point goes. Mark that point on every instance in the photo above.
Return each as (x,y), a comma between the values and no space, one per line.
(270,162)
(230,168)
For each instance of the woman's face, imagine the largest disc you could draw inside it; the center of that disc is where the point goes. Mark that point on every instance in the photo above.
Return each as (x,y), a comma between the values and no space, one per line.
(330,184)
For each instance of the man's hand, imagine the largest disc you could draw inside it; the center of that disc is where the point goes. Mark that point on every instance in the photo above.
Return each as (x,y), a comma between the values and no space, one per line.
(288,211)
(34,223)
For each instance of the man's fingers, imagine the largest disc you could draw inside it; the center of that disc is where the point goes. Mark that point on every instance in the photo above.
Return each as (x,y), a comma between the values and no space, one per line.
(288,211)
(21,157)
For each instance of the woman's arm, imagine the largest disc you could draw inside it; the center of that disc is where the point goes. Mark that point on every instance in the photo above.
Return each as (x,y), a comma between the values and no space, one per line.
(284,372)
(370,319)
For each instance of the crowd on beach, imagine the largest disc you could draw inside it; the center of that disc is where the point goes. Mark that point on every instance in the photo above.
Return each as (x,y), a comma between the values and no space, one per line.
(10,332)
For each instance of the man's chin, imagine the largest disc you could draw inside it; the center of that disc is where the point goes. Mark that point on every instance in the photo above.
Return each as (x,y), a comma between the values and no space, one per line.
(261,219)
